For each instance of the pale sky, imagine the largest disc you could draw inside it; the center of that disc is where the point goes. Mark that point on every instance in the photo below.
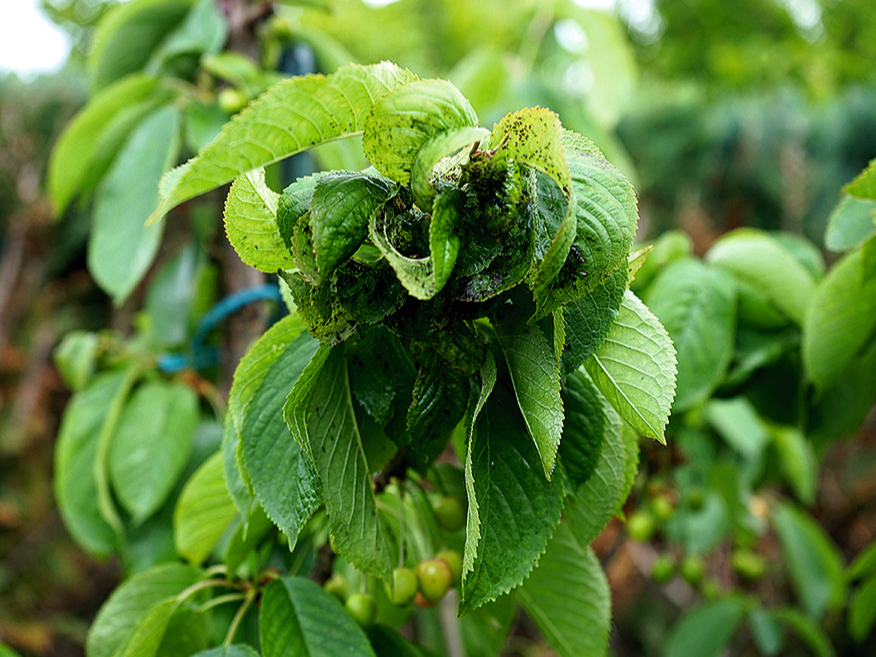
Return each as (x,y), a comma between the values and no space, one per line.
(29,42)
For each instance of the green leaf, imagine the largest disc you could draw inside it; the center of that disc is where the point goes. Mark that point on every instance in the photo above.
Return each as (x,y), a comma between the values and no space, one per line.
(236,650)
(120,246)
(6,651)
(517,507)
(203,511)
(131,602)
(152,445)
(168,630)
(343,203)
(635,368)
(76,358)
(568,597)
(485,630)
(473,520)
(864,186)
(588,319)
(767,630)
(444,144)
(251,224)
(204,31)
(851,224)
(864,563)
(444,243)
(813,560)
(756,258)
(406,118)
(584,429)
(294,203)
(593,502)
(324,411)
(721,617)
(416,273)
(839,320)
(536,378)
(297,618)
(737,422)
(387,641)
(606,216)
(281,476)
(80,476)
(127,36)
(809,632)
(670,246)
(90,142)
(291,117)
(796,461)
(862,610)
(697,306)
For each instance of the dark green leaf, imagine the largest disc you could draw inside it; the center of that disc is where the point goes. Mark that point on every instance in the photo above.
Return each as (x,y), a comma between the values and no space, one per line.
(809,632)
(517,507)
(721,618)
(281,476)
(862,610)
(298,618)
(342,204)
(768,631)
(584,429)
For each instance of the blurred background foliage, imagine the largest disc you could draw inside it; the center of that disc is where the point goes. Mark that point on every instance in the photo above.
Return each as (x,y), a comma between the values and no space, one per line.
(724,114)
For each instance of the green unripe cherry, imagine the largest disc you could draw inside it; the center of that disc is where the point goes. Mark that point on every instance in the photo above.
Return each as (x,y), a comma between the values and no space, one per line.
(404,587)
(641,525)
(231,100)
(748,565)
(363,608)
(336,586)
(435,577)
(454,560)
(662,507)
(693,568)
(450,513)
(663,568)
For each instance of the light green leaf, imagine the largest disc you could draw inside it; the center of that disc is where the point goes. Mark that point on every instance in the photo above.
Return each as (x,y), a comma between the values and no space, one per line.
(444,144)
(81,480)
(737,422)
(754,257)
(251,224)
(839,320)
(281,476)
(335,445)
(721,617)
(593,502)
(517,507)
(343,203)
(767,630)
(535,375)
(635,368)
(235,650)
(403,120)
(851,224)
(76,358)
(670,246)
(203,31)
(796,461)
(298,618)
(473,520)
(864,186)
(127,36)
(152,445)
(131,603)
(292,116)
(120,246)
(814,562)
(90,142)
(203,511)
(568,598)
(862,610)
(168,630)
(697,306)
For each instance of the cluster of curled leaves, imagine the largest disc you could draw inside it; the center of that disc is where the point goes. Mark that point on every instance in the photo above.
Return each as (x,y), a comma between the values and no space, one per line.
(470,287)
